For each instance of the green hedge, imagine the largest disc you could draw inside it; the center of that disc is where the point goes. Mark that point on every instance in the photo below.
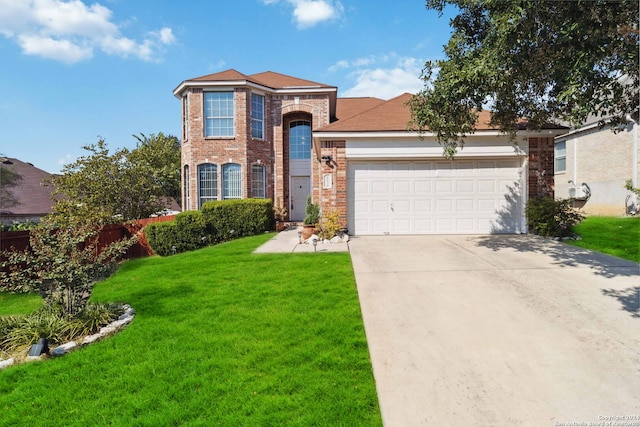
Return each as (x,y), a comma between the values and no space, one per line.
(230,219)
(217,222)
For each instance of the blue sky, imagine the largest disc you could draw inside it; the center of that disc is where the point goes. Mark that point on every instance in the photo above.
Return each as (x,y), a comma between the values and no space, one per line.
(74,71)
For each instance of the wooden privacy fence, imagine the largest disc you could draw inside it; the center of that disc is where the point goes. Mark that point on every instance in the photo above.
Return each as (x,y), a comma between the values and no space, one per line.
(19,240)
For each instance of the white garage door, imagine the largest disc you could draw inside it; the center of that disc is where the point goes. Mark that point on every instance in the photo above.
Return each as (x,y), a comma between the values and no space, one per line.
(434,197)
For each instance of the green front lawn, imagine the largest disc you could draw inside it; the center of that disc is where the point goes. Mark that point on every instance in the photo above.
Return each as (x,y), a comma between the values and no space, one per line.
(611,235)
(14,304)
(222,337)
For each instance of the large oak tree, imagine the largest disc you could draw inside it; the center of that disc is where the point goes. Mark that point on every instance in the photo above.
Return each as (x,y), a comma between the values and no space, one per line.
(545,61)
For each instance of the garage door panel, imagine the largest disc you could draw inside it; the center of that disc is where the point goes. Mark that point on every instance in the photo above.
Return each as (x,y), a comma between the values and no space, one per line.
(401,206)
(422,206)
(486,185)
(434,196)
(486,206)
(444,186)
(379,206)
(401,186)
(402,225)
(464,186)
(380,187)
(464,206)
(422,186)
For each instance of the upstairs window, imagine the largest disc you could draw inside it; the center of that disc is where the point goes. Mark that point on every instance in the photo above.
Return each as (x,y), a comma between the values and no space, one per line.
(231,181)
(257,116)
(258,187)
(207,183)
(560,155)
(185,117)
(219,114)
(300,140)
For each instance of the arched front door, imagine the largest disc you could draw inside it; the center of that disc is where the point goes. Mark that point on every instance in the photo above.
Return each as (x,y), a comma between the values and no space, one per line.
(299,167)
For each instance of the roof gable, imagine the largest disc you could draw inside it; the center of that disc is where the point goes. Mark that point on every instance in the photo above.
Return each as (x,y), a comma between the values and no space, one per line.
(282,81)
(222,76)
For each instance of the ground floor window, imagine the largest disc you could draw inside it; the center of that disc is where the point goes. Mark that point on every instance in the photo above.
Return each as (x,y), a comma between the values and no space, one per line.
(258,187)
(207,183)
(186,189)
(561,157)
(231,181)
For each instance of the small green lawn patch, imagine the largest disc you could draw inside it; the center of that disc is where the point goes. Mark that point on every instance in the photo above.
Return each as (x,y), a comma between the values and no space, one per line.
(221,337)
(16,304)
(614,236)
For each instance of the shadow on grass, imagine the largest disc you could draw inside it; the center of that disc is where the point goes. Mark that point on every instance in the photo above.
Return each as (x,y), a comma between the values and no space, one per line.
(629,299)
(562,254)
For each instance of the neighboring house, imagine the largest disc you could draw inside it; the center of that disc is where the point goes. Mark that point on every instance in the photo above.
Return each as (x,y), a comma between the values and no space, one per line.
(34,198)
(274,136)
(594,163)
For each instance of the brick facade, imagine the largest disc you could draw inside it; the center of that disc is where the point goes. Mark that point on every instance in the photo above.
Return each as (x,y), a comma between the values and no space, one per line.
(288,99)
(541,167)
(272,152)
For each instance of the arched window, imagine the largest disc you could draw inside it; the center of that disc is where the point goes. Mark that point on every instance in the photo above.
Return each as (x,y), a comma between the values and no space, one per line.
(207,183)
(258,181)
(231,181)
(300,140)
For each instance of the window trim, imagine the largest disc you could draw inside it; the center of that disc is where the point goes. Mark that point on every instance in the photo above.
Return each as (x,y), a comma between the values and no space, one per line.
(557,156)
(258,120)
(213,118)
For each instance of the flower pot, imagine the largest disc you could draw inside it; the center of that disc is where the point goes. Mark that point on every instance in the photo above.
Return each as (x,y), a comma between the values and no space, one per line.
(308,230)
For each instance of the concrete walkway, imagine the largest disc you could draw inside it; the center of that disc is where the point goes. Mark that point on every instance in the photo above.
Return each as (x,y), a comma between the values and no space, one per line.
(288,241)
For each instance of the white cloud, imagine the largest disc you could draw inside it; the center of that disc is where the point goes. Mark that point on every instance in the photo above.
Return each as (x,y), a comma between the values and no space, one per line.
(70,31)
(308,13)
(383,76)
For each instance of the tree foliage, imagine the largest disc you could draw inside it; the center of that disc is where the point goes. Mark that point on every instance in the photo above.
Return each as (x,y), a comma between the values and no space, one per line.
(123,185)
(540,60)
(62,264)
(8,179)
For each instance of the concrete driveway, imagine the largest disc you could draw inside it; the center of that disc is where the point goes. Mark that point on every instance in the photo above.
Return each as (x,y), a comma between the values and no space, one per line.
(499,331)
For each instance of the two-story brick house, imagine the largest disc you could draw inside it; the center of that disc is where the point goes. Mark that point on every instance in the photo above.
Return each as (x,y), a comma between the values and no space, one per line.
(284,138)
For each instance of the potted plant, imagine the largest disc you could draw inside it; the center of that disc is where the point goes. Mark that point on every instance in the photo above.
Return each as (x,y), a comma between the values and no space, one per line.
(312,216)
(280,215)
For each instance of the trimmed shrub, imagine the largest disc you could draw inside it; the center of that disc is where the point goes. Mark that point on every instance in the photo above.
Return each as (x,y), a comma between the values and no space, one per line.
(552,217)
(192,231)
(161,237)
(186,233)
(231,219)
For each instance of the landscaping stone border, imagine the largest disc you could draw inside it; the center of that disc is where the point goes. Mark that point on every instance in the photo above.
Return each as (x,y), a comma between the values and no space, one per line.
(123,320)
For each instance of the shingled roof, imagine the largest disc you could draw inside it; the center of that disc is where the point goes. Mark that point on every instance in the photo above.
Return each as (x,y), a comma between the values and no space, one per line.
(391,115)
(34,199)
(394,116)
(268,79)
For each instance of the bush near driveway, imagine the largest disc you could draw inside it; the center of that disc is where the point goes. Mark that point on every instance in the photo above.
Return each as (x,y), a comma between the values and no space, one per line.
(221,337)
